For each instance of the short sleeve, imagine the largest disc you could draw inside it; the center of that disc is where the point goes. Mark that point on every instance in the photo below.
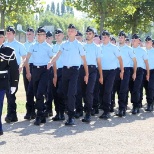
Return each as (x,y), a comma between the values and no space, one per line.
(81,49)
(145,56)
(116,51)
(22,50)
(31,49)
(50,51)
(131,53)
(98,52)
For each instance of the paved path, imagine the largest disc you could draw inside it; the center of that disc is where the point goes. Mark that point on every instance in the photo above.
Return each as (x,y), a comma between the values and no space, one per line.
(129,135)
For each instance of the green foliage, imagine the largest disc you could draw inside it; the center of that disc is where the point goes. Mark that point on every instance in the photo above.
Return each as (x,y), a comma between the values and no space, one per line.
(53,7)
(129,15)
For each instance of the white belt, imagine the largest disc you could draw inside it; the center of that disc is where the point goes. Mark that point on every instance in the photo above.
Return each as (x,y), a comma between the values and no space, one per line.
(2,72)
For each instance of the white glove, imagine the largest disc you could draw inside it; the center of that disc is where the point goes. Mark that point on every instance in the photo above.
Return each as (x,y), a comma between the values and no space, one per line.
(13,89)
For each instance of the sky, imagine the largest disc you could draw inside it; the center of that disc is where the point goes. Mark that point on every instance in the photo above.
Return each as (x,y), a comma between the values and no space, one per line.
(76,13)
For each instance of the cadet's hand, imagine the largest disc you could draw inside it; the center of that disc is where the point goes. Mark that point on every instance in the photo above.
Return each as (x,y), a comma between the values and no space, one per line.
(101,80)
(28,76)
(49,65)
(20,69)
(134,76)
(13,89)
(147,77)
(121,75)
(86,78)
(54,81)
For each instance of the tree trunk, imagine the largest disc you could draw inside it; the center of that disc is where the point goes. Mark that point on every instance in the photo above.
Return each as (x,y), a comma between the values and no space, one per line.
(101,23)
(2,20)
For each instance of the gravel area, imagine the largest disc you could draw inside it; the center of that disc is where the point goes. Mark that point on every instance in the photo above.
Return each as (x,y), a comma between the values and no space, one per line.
(133,134)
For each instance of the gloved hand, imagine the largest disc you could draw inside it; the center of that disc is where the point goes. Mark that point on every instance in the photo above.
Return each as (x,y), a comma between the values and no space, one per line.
(13,89)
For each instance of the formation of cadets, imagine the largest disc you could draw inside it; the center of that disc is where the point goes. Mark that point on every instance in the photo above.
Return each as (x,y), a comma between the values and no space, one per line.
(80,77)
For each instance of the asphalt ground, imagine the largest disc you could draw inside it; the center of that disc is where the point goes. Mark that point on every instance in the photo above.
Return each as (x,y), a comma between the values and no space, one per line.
(133,134)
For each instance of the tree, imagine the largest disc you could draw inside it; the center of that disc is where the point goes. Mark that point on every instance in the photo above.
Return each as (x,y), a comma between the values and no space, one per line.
(53,7)
(63,7)
(13,8)
(58,10)
(48,7)
(117,14)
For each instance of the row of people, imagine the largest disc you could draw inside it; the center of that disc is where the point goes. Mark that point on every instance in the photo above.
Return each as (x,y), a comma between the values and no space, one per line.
(79,71)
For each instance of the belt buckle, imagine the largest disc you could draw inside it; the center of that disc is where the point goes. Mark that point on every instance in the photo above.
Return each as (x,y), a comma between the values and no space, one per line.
(68,67)
(38,66)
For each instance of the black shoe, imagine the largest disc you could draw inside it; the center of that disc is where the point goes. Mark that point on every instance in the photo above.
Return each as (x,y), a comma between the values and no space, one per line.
(97,111)
(33,115)
(39,120)
(56,118)
(87,118)
(149,107)
(50,113)
(27,116)
(69,122)
(135,110)
(62,117)
(1,132)
(111,109)
(121,113)
(10,119)
(78,114)
(105,116)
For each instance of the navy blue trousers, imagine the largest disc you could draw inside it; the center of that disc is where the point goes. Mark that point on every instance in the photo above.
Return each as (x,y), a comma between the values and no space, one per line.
(136,86)
(106,89)
(28,87)
(2,93)
(69,85)
(58,94)
(40,78)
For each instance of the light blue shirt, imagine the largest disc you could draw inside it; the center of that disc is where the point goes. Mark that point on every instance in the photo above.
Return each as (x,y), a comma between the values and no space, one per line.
(110,53)
(59,62)
(19,49)
(127,55)
(72,52)
(93,52)
(151,58)
(141,55)
(27,46)
(41,53)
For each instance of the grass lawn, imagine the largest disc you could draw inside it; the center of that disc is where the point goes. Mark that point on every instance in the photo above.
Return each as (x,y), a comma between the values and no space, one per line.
(20,98)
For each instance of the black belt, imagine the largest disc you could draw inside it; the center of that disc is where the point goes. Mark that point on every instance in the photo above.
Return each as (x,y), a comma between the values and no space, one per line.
(139,68)
(44,66)
(110,70)
(73,67)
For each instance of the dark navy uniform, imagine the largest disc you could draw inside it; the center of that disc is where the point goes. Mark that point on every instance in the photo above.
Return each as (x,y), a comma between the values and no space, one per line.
(20,51)
(7,62)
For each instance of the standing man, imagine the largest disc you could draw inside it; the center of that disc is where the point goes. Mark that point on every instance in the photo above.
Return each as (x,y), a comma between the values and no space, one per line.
(20,52)
(142,62)
(110,54)
(150,85)
(41,53)
(7,62)
(72,52)
(30,113)
(128,56)
(58,91)
(49,37)
(93,57)
(79,36)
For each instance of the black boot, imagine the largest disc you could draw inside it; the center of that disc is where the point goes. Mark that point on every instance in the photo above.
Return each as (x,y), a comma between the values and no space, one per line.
(149,107)
(39,120)
(70,122)
(135,110)
(105,116)
(121,113)
(56,118)
(78,114)
(87,118)
(11,118)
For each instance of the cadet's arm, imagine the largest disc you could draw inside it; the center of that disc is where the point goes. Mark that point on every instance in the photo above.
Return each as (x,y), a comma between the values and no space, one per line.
(54,59)
(134,68)
(100,70)
(147,68)
(121,67)
(85,68)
